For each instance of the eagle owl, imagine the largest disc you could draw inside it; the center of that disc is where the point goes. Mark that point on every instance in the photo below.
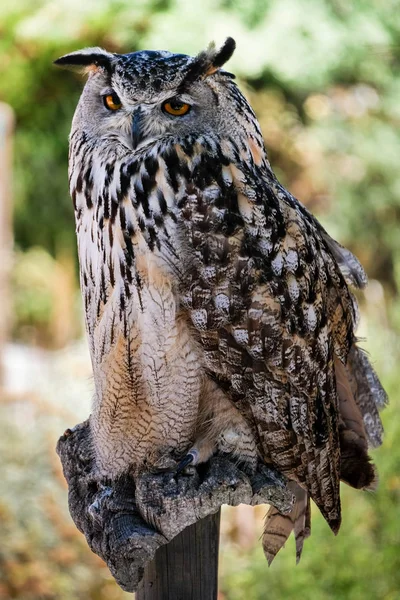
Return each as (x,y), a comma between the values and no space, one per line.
(217,307)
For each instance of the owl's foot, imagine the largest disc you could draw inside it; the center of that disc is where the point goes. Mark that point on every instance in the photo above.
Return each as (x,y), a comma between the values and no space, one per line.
(163,464)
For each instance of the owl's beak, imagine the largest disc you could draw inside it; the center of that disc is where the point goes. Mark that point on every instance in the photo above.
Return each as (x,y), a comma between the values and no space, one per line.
(137,122)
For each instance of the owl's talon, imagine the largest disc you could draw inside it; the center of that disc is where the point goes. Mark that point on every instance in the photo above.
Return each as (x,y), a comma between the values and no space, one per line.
(191,458)
(164,464)
(189,470)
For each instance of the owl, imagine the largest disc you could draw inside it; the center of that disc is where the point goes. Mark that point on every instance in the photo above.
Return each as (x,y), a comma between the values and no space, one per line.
(218,309)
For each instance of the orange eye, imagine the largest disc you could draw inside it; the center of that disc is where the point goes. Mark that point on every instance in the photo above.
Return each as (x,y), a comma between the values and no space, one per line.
(176,108)
(112,102)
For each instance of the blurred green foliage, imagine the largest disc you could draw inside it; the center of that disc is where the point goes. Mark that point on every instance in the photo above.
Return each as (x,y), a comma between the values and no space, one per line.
(47,305)
(324,79)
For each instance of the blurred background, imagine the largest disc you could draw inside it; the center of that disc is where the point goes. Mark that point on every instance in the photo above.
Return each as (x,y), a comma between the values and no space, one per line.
(324,79)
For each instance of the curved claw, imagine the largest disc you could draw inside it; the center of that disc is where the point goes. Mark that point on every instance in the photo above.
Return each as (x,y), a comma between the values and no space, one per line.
(191,457)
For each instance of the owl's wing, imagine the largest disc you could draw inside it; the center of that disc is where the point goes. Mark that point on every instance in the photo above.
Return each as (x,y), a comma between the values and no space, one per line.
(276,319)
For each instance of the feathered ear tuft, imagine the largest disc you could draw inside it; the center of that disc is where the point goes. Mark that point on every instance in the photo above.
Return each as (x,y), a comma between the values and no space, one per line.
(209,61)
(224,53)
(212,59)
(88,59)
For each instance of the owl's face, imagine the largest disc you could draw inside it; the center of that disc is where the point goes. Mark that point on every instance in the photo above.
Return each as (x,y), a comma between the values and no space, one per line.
(140,97)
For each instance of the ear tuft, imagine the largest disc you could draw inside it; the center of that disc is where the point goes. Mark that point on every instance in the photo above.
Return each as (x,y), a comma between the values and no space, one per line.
(224,53)
(209,61)
(214,59)
(88,59)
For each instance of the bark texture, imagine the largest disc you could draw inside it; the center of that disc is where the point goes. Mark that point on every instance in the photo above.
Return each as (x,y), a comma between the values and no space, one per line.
(125,521)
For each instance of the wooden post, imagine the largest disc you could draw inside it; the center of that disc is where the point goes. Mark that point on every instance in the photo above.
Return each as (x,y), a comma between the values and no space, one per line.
(140,526)
(187,567)
(6,238)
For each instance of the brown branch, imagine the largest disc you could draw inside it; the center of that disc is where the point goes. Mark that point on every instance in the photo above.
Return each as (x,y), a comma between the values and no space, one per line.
(126,521)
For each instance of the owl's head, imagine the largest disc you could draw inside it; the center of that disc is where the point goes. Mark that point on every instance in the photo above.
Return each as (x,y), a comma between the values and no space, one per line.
(139,97)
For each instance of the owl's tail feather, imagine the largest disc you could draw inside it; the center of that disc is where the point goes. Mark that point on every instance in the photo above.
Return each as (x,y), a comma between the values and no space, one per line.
(359,393)
(360,396)
(278,527)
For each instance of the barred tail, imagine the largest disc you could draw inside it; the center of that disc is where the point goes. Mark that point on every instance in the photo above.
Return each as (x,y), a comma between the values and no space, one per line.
(278,527)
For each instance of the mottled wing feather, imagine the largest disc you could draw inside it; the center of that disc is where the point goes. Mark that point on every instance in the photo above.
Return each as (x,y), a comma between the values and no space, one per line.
(349,265)
(272,310)
(368,392)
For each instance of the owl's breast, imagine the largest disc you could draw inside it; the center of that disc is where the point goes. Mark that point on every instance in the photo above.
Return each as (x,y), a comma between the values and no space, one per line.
(147,366)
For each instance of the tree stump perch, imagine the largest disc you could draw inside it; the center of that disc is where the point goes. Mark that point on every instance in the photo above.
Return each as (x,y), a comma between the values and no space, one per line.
(127,520)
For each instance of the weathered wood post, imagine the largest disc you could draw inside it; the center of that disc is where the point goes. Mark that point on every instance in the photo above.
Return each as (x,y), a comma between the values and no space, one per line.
(161,529)
(6,238)
(187,567)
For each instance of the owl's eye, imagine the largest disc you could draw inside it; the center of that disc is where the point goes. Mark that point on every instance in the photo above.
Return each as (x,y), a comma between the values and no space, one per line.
(175,107)
(112,101)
